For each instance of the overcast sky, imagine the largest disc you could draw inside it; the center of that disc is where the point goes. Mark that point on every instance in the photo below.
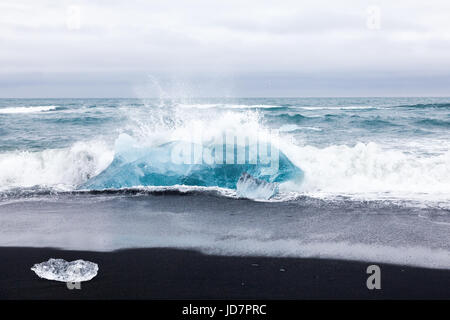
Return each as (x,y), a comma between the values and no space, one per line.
(100,48)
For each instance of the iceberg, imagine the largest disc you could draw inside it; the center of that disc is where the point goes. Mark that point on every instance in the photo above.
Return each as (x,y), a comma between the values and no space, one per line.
(252,188)
(64,271)
(177,163)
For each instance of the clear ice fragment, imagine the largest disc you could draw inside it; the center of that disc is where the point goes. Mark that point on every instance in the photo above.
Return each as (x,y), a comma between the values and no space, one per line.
(64,271)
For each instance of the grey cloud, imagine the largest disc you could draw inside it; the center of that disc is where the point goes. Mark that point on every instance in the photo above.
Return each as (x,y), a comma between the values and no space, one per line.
(202,39)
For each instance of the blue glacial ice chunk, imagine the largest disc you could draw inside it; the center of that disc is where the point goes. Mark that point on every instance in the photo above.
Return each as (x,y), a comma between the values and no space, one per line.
(174,163)
(252,188)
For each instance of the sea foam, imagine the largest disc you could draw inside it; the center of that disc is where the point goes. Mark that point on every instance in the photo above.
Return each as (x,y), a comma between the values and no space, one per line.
(13,110)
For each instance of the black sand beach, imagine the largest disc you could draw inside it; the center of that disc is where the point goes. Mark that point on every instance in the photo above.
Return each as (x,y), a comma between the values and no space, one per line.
(182,274)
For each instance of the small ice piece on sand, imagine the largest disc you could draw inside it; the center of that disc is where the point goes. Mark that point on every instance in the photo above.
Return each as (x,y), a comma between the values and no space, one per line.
(64,271)
(253,188)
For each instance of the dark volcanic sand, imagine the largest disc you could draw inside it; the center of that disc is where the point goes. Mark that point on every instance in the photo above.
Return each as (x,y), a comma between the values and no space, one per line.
(184,274)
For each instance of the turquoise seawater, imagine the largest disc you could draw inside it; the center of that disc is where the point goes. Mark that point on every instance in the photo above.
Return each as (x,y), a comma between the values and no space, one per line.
(357,146)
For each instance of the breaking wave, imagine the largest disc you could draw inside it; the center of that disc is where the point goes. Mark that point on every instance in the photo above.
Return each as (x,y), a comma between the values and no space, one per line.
(361,170)
(13,110)
(357,169)
(55,168)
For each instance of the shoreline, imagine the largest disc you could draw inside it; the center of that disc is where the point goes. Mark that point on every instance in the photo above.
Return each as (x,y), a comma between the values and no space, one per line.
(163,273)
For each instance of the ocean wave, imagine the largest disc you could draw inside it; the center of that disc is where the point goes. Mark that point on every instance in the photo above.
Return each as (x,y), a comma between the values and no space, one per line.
(286,117)
(426,106)
(351,169)
(369,169)
(294,128)
(82,119)
(227,106)
(364,171)
(31,109)
(56,168)
(434,123)
(375,123)
(377,107)
(339,108)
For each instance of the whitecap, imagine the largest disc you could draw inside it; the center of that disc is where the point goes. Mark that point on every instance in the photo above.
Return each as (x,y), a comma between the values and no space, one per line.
(13,110)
